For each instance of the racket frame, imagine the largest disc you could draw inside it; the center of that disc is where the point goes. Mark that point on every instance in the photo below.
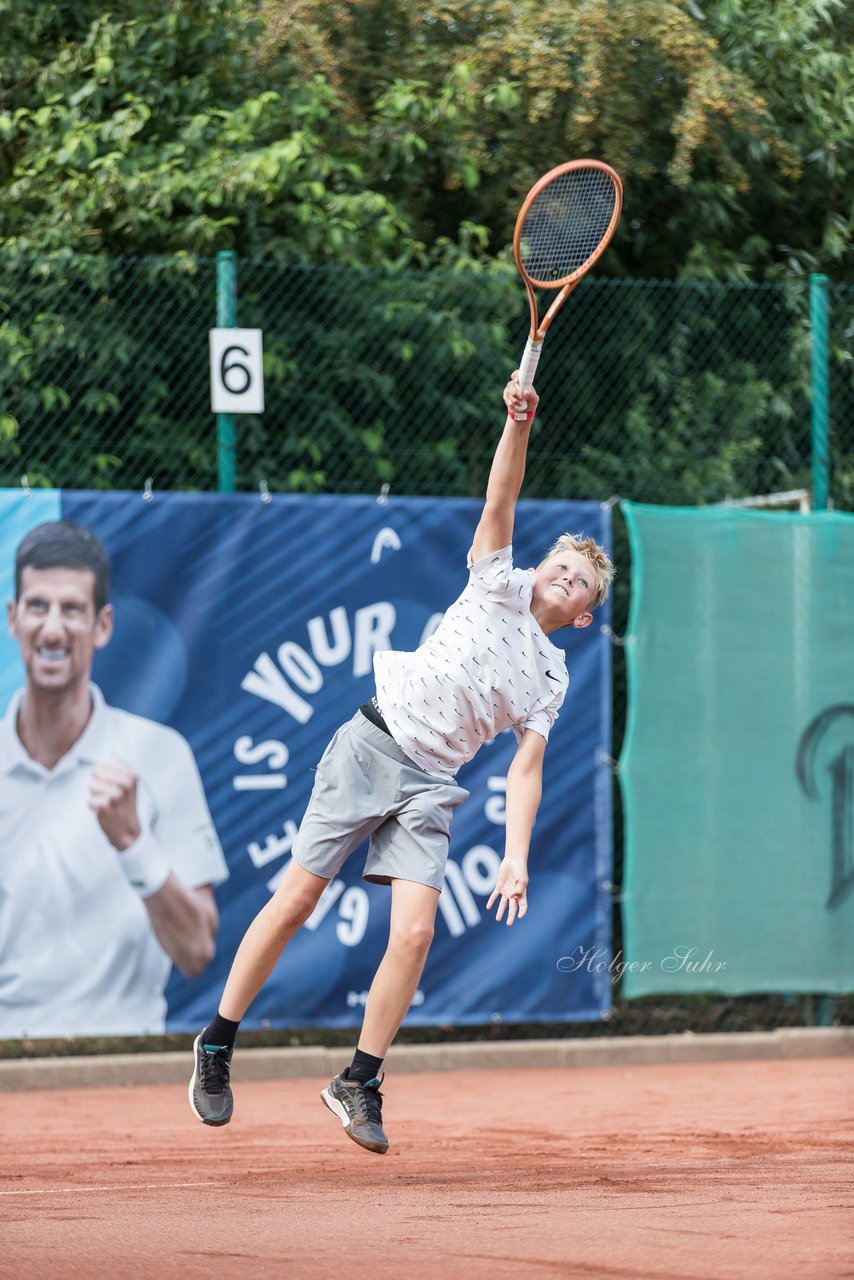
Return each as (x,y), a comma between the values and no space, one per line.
(539,328)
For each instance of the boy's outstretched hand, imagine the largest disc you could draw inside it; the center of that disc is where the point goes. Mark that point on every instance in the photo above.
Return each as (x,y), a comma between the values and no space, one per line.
(518,400)
(511,886)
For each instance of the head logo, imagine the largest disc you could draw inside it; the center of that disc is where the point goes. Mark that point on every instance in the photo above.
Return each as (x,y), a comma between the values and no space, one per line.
(823,731)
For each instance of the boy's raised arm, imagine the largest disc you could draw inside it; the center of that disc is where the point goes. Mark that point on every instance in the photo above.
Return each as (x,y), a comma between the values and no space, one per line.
(495,529)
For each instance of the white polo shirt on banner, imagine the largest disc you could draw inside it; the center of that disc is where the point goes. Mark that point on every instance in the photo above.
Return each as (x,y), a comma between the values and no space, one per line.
(78,955)
(488,666)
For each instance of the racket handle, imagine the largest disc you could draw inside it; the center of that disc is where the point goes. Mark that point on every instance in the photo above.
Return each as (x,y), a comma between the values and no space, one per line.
(527,369)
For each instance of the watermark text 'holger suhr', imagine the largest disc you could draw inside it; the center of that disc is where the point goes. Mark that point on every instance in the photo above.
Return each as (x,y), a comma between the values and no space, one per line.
(680,960)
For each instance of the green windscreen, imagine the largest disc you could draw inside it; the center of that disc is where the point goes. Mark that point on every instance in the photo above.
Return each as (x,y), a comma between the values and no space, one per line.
(738,763)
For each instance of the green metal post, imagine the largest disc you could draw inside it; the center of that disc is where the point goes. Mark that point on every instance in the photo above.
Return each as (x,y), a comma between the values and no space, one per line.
(819,1011)
(820,1008)
(226,318)
(825,1006)
(820,393)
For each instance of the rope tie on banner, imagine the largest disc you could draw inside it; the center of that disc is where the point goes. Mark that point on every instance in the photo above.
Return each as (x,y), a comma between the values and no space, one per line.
(264,492)
(25,485)
(148,492)
(382,497)
(610,502)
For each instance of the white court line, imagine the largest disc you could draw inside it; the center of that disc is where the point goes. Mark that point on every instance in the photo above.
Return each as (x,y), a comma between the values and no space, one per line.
(122,1186)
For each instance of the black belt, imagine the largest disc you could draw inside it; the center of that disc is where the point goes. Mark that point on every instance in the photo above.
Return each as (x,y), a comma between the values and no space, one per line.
(371,711)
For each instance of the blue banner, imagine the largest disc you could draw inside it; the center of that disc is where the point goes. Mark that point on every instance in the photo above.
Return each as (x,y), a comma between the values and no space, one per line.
(249,626)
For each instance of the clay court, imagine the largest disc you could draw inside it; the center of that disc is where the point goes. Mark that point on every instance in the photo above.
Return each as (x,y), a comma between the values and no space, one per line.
(683,1171)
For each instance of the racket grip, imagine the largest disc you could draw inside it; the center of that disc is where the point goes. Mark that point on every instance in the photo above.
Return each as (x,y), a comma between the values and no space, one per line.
(528,367)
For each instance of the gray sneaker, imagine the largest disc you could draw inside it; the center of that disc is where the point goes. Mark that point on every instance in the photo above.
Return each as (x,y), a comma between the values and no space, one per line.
(360,1110)
(210,1093)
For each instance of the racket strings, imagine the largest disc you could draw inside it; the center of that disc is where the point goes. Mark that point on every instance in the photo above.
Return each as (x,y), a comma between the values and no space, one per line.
(566,223)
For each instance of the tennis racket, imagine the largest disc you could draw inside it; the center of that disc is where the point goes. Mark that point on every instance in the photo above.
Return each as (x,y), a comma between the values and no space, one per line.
(566,222)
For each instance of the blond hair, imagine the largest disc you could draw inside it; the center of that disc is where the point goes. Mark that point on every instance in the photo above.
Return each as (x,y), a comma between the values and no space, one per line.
(600,561)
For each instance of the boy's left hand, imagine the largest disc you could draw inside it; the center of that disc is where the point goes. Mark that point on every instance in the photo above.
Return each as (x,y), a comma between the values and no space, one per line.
(511,886)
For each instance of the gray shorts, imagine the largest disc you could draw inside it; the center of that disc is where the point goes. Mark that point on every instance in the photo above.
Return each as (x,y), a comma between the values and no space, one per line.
(366,786)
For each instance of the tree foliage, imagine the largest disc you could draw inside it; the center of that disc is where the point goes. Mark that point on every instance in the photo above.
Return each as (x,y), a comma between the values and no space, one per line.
(800,56)
(160,132)
(722,119)
(365,131)
(362,134)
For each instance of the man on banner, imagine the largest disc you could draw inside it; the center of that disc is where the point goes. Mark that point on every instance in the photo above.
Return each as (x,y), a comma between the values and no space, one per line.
(108,855)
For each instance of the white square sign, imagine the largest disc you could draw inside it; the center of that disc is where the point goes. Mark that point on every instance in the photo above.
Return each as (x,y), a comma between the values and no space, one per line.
(237,374)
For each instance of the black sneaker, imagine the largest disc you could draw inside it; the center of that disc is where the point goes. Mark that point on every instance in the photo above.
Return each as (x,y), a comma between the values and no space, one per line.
(210,1093)
(360,1110)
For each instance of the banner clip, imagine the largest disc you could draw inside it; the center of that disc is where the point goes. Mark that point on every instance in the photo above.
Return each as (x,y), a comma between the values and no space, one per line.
(382,498)
(25,485)
(264,492)
(148,493)
(605,630)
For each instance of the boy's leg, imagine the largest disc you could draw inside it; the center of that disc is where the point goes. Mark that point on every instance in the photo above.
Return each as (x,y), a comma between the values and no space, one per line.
(356,1100)
(413,915)
(263,943)
(267,936)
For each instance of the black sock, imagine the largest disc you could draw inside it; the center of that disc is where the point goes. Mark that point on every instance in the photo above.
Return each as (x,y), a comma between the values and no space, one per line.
(221,1033)
(363,1067)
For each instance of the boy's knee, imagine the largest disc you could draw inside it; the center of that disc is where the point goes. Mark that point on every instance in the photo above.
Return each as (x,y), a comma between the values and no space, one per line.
(291,911)
(415,936)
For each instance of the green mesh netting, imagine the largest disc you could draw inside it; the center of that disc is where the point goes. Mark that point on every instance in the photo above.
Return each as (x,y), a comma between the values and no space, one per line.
(738,763)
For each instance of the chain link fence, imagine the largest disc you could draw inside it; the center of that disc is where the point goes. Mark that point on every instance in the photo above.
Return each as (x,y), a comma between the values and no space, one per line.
(677,393)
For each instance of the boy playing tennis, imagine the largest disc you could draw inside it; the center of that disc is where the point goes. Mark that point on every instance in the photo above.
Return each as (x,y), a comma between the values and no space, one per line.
(389,774)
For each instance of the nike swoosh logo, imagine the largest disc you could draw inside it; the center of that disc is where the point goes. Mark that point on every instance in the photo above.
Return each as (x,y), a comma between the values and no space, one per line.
(551,677)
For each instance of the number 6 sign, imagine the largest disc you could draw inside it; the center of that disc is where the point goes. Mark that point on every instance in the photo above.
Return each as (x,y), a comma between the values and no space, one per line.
(237,376)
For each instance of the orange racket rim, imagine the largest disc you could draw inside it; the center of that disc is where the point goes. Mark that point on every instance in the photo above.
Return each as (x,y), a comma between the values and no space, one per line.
(569,167)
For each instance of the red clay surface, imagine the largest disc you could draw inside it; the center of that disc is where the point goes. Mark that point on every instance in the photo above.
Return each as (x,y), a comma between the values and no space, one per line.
(676,1172)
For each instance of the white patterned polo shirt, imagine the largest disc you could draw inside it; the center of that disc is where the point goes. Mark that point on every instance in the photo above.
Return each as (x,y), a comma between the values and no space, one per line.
(488,667)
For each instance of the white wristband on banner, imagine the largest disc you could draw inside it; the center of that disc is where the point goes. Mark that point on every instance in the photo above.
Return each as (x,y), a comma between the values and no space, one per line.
(145,866)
